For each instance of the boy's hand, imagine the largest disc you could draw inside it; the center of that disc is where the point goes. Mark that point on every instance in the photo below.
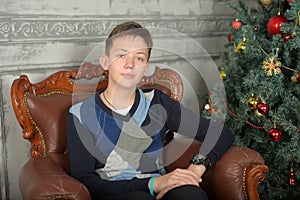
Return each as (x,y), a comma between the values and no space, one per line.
(176,178)
(198,169)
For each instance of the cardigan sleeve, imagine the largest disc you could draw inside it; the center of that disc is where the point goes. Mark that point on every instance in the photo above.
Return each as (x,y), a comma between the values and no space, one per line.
(216,138)
(83,165)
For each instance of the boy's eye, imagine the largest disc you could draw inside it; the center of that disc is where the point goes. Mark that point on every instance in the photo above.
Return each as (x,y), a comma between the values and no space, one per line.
(140,59)
(120,55)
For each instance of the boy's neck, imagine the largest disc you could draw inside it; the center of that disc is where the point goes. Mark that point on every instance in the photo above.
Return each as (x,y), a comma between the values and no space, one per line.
(118,99)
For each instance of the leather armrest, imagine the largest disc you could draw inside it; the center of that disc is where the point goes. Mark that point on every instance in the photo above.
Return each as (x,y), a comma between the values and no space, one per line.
(234,177)
(41,178)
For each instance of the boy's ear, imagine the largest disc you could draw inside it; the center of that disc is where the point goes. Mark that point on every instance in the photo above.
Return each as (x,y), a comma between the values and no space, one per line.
(104,62)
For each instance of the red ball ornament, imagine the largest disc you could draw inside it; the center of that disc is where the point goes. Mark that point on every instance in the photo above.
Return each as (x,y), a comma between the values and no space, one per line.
(229,37)
(292,178)
(289,1)
(275,134)
(236,24)
(263,108)
(274,24)
(298,77)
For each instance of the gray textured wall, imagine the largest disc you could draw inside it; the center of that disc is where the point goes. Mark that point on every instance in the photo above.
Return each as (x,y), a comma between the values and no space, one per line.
(38,37)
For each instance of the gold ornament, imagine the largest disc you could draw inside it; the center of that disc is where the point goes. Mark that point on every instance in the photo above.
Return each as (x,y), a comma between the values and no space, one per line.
(294,79)
(252,102)
(258,114)
(266,2)
(241,47)
(222,73)
(270,67)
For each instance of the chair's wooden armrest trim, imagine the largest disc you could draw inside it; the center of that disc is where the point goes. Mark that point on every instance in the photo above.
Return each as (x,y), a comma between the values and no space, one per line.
(20,88)
(253,175)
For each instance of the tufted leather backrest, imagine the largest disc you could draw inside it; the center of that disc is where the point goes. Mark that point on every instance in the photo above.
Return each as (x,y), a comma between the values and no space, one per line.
(41,108)
(49,114)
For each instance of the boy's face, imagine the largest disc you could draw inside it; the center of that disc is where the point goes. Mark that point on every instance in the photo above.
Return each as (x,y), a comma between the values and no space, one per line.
(127,61)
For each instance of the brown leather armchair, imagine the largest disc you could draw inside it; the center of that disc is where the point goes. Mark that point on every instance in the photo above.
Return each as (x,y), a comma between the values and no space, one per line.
(41,109)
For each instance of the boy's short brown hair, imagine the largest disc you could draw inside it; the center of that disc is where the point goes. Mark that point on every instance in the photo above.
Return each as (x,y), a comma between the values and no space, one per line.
(129,28)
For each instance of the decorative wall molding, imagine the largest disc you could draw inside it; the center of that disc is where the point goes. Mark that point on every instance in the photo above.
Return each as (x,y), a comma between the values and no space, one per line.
(73,28)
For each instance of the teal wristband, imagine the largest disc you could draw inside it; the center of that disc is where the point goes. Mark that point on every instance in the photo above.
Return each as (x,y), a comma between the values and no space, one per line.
(151,186)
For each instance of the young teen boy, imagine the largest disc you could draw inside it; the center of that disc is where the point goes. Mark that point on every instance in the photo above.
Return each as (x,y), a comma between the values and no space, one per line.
(115,137)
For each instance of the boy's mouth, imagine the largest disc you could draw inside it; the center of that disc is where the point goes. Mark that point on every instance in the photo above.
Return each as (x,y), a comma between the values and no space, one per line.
(128,75)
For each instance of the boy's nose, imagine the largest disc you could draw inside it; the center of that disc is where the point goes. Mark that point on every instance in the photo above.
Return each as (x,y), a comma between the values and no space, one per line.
(129,61)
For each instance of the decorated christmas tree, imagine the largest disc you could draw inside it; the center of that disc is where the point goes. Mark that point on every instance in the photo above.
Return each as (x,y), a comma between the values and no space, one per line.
(260,69)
